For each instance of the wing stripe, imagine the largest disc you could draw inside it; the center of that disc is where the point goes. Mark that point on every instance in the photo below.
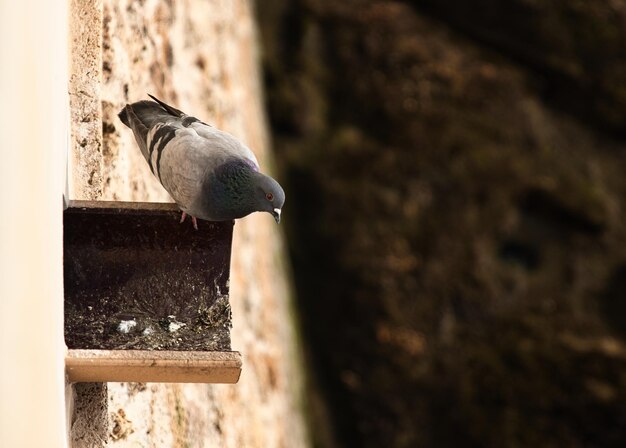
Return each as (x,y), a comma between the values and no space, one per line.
(161,146)
(158,141)
(150,162)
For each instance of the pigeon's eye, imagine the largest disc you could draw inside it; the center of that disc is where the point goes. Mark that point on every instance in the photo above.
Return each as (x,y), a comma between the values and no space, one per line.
(269,196)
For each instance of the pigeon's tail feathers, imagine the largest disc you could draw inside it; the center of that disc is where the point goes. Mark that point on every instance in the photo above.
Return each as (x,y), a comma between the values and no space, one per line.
(129,117)
(123,116)
(147,112)
(138,118)
(172,110)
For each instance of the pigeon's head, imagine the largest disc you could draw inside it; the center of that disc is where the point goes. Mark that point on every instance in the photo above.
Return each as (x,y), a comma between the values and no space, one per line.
(235,190)
(269,196)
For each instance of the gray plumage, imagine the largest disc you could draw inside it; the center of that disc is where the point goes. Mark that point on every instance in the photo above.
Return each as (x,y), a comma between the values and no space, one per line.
(208,172)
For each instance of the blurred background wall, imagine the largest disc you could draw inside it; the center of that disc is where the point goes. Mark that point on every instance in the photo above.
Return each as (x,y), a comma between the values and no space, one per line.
(202,57)
(455,216)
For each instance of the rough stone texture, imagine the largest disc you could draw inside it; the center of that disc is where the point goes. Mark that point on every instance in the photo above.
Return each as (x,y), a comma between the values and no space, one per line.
(85,162)
(88,424)
(464,238)
(202,57)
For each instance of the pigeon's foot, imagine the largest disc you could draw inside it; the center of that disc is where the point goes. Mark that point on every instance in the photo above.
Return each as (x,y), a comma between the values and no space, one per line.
(193,220)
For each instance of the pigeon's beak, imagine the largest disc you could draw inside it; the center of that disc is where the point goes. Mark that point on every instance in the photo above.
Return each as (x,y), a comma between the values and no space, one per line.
(276,215)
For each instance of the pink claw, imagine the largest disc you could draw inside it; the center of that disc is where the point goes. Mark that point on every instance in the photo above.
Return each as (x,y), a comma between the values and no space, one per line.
(193,220)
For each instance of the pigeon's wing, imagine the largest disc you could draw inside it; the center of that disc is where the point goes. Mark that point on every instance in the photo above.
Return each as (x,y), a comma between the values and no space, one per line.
(152,126)
(224,142)
(183,166)
(159,130)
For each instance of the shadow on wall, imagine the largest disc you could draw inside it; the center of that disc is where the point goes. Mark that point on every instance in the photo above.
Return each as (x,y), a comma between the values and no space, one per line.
(454,217)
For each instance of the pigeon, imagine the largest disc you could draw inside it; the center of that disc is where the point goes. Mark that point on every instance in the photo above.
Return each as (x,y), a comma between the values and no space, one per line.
(209,173)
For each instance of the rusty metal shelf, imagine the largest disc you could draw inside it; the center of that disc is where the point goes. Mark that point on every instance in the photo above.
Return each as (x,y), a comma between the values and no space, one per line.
(146,298)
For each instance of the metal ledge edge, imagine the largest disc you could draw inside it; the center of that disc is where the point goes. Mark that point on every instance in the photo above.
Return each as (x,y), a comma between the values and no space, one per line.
(152,366)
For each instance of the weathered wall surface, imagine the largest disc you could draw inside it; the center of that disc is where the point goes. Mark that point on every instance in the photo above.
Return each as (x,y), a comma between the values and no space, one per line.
(202,57)
(84,91)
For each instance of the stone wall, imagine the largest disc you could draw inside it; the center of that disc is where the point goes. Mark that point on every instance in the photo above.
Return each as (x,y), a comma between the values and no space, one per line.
(200,56)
